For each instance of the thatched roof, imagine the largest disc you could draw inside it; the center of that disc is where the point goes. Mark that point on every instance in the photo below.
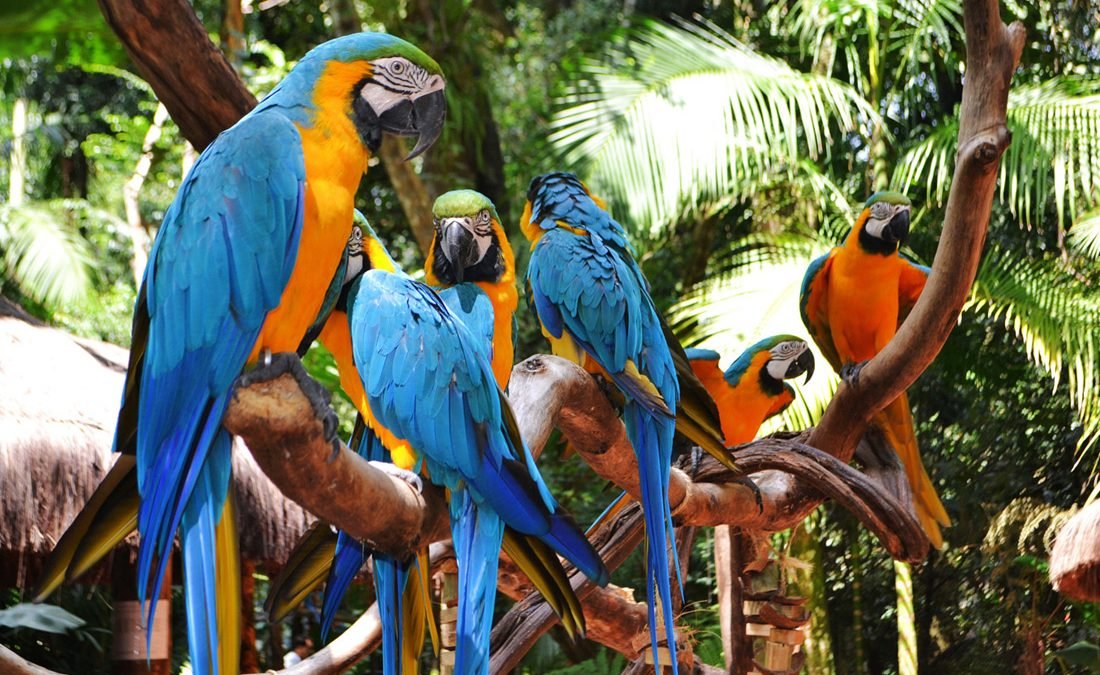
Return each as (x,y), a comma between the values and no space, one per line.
(59,398)
(1075,557)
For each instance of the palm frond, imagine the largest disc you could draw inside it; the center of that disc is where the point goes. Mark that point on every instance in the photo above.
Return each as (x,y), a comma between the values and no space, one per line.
(923,31)
(1054,156)
(43,253)
(1056,319)
(1084,238)
(682,118)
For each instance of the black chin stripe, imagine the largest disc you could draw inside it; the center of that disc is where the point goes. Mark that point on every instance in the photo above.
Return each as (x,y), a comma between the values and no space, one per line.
(769,384)
(873,244)
(490,268)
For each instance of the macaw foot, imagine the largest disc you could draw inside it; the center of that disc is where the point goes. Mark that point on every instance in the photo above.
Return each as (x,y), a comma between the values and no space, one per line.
(850,372)
(410,477)
(271,366)
(748,482)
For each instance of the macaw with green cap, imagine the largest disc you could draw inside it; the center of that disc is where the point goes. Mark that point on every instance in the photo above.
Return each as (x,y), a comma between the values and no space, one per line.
(853,300)
(240,269)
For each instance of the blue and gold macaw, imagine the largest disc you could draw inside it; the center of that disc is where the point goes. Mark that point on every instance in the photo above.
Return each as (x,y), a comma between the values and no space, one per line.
(470,261)
(430,386)
(320,554)
(853,300)
(752,388)
(240,268)
(593,305)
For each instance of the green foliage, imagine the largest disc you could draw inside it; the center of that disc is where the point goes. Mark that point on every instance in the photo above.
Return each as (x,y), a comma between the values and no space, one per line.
(48,618)
(626,123)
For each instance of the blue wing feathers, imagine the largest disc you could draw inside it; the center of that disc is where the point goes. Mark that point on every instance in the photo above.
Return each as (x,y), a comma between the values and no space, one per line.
(219,264)
(585,281)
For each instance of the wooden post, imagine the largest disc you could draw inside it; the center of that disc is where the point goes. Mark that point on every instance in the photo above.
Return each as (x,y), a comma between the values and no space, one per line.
(128,653)
(448,622)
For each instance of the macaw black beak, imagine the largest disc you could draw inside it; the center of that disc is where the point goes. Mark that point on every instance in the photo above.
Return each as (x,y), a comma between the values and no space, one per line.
(897,230)
(458,247)
(421,117)
(803,364)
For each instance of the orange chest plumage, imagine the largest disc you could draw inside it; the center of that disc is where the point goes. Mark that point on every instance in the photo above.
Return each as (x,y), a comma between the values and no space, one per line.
(335,160)
(863,302)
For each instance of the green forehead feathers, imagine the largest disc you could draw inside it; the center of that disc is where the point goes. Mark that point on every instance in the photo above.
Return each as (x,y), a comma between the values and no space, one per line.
(457,203)
(888,197)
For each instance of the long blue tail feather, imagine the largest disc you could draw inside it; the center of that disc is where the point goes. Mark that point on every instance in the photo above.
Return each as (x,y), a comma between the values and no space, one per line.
(646,435)
(477,534)
(390,577)
(200,518)
(346,563)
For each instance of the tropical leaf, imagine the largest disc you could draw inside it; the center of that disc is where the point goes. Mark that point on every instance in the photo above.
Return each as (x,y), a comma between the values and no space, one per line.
(43,253)
(1055,317)
(1054,156)
(48,618)
(1084,237)
(682,119)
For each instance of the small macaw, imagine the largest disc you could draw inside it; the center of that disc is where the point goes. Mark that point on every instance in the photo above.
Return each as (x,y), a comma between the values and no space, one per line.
(429,384)
(853,300)
(240,268)
(593,304)
(750,391)
(753,389)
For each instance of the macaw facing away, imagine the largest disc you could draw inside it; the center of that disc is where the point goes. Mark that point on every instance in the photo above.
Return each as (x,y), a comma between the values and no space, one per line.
(313,555)
(594,306)
(429,383)
(239,268)
(753,389)
(853,300)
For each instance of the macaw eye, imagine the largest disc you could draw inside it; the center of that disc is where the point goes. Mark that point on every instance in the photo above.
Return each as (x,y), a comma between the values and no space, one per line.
(397,67)
(880,210)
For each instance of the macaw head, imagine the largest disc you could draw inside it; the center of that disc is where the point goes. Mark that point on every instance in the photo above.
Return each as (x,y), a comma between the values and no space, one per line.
(883,225)
(561,197)
(385,84)
(469,243)
(778,358)
(365,250)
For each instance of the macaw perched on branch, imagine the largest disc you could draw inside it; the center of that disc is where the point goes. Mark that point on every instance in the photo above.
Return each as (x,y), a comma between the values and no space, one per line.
(240,268)
(480,304)
(470,250)
(753,389)
(853,300)
(429,384)
(594,306)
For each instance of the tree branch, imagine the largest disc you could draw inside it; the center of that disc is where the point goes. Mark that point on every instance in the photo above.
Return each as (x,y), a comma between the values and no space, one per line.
(993,51)
(192,78)
(279,423)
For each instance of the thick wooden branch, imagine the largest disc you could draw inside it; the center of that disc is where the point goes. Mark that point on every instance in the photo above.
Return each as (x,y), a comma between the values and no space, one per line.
(779,474)
(279,423)
(993,51)
(190,76)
